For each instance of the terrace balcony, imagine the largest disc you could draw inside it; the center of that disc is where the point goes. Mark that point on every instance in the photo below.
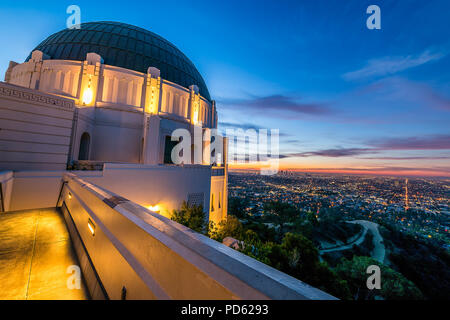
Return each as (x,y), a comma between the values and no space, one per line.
(124,250)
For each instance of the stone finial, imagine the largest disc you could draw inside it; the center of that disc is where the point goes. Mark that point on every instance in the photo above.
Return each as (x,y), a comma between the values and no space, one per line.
(154,72)
(194,88)
(37,56)
(93,58)
(8,72)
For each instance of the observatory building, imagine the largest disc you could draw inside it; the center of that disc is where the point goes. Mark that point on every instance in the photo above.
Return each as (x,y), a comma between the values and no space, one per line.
(88,177)
(108,97)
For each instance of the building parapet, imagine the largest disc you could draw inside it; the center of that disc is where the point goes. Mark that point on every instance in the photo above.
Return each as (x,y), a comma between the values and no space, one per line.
(218,172)
(93,83)
(11,91)
(156,258)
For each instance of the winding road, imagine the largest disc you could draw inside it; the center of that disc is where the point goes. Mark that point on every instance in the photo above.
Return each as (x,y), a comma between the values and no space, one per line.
(379,251)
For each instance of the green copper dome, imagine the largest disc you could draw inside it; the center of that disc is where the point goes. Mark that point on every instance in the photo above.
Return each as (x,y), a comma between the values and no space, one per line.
(125,46)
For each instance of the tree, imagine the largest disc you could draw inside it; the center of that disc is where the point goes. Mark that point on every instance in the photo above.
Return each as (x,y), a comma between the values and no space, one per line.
(237,207)
(304,264)
(282,213)
(264,232)
(298,257)
(422,261)
(192,217)
(394,286)
(229,227)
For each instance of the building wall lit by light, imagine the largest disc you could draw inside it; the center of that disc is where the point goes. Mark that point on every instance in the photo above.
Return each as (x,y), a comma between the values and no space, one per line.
(120,114)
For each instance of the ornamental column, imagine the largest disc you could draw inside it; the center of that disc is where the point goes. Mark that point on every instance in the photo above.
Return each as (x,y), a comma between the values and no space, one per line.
(37,59)
(151,120)
(152,91)
(194,105)
(90,75)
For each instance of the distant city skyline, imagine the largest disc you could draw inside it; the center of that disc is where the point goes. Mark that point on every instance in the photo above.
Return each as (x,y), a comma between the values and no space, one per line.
(346,99)
(347,171)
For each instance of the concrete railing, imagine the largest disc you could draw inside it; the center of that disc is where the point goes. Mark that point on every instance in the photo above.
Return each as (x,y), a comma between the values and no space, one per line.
(129,252)
(149,185)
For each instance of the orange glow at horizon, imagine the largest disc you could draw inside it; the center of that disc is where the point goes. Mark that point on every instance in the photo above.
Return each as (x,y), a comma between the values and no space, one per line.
(361,170)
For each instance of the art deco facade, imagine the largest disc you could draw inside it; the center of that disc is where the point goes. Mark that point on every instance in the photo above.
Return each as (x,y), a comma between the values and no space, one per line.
(130,90)
(86,150)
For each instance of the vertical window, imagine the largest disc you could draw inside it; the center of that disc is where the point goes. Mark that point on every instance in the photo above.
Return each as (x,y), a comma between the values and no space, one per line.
(141,151)
(85,141)
(212,202)
(168,147)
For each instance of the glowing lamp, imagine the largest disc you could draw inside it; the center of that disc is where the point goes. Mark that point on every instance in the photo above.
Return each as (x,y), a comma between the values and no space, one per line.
(87,96)
(195,119)
(91,227)
(70,196)
(155,208)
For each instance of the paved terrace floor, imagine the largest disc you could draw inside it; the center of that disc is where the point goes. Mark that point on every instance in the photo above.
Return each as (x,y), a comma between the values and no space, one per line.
(35,252)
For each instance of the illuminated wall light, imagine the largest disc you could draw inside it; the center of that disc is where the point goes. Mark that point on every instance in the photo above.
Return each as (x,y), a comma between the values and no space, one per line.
(91,227)
(195,116)
(70,196)
(88,95)
(154,208)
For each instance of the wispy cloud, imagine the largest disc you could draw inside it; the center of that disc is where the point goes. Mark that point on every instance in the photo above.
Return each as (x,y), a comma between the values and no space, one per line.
(223,125)
(432,142)
(405,158)
(333,153)
(400,170)
(391,65)
(400,89)
(244,126)
(278,105)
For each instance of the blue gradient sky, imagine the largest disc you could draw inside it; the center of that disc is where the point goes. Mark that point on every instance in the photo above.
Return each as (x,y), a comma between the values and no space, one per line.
(345,98)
